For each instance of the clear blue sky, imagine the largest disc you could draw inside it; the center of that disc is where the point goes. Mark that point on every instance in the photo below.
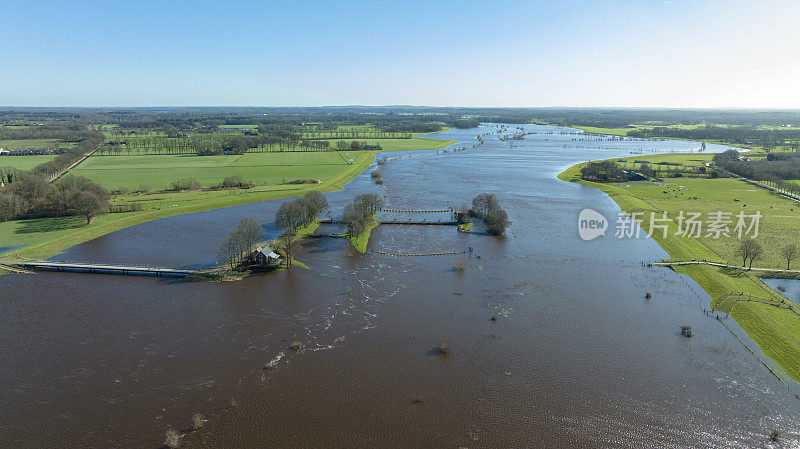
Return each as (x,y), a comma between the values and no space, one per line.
(673,53)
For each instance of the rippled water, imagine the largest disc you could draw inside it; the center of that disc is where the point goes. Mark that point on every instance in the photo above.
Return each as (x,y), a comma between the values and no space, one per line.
(576,358)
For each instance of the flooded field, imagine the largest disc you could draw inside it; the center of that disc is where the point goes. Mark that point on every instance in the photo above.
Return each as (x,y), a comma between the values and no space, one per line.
(396,351)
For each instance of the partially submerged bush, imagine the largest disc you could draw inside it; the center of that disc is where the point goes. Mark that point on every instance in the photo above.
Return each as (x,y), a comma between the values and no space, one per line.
(198,421)
(442,349)
(173,439)
(686,331)
(459,265)
(296,345)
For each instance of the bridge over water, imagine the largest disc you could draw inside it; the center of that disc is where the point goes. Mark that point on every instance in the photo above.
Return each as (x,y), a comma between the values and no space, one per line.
(411,217)
(98,268)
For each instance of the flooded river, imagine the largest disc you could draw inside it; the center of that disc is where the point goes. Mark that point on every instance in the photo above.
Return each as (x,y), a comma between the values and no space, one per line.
(575,358)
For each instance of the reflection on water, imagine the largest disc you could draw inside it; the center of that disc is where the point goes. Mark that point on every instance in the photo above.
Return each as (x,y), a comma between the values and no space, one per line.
(575,358)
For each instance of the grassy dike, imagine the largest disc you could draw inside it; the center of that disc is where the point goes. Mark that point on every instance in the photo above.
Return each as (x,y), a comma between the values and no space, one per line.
(776,330)
(360,242)
(42,238)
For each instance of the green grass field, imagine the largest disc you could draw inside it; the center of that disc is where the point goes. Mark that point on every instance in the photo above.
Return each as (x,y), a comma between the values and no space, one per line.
(415,143)
(24,162)
(159,171)
(48,236)
(775,330)
(24,144)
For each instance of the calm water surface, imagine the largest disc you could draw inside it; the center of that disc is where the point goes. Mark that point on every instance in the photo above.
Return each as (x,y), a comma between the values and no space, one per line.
(577,357)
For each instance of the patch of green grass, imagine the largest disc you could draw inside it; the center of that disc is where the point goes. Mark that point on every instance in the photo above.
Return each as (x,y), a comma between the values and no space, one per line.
(609,131)
(24,162)
(465,226)
(415,143)
(360,242)
(775,330)
(159,171)
(24,144)
(54,235)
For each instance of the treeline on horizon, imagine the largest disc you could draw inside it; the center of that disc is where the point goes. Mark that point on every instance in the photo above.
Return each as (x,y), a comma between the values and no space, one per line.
(774,167)
(767,138)
(178,120)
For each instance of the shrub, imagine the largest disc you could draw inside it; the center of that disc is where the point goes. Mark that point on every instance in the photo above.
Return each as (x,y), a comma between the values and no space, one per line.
(173,439)
(686,331)
(235,181)
(185,184)
(198,421)
(459,265)
(296,345)
(442,349)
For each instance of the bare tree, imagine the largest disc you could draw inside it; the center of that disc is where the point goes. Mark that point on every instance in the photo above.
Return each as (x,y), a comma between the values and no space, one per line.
(789,252)
(749,250)
(289,246)
(240,242)
(290,215)
(483,203)
(313,203)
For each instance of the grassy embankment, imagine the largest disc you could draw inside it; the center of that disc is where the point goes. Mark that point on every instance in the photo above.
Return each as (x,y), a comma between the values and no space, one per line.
(46,237)
(360,242)
(775,329)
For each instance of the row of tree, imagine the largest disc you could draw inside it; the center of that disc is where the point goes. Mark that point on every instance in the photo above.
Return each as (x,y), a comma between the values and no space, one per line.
(603,171)
(213,144)
(295,214)
(238,246)
(89,142)
(750,250)
(783,166)
(728,134)
(358,214)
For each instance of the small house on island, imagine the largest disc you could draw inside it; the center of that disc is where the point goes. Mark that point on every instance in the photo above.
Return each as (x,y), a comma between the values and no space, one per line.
(266,256)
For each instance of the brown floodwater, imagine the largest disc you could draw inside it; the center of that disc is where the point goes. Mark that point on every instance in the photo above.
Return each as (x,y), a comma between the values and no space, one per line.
(575,358)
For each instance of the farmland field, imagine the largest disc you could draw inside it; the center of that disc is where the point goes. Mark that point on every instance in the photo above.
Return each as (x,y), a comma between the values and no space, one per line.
(25,162)
(24,144)
(415,143)
(159,171)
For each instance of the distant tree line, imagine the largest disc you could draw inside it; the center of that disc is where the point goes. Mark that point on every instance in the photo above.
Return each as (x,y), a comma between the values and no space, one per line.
(776,166)
(767,138)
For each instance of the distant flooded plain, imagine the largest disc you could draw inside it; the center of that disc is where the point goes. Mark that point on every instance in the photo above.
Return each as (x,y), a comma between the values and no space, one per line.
(575,358)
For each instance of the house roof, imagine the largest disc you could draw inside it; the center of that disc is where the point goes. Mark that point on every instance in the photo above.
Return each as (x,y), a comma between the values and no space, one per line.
(267,251)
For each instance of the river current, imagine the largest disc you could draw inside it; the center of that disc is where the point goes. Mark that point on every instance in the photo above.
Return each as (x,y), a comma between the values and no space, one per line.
(575,358)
